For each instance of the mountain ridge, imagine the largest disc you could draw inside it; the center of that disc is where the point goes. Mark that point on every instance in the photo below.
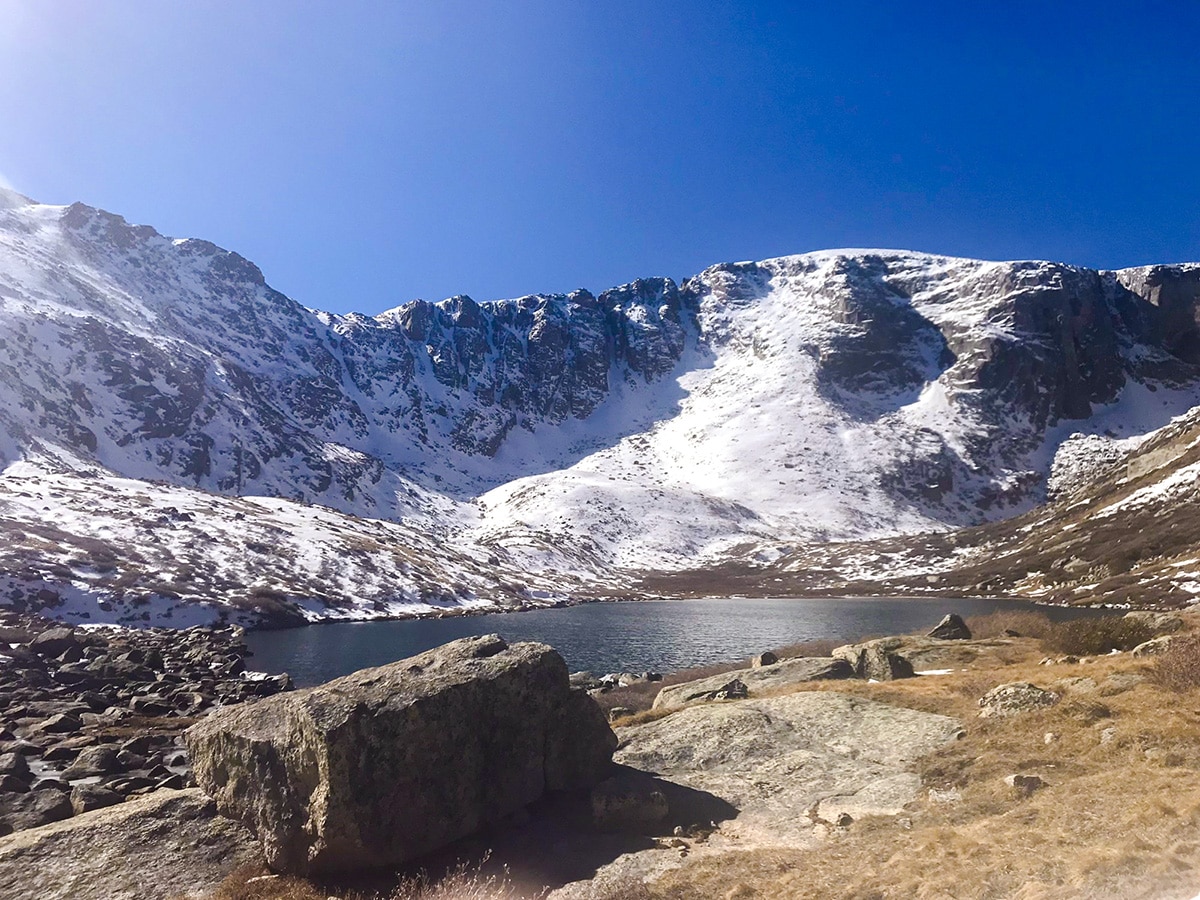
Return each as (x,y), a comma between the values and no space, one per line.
(571,439)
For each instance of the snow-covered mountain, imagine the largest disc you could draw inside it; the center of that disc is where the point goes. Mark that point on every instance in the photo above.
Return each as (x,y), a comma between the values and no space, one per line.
(159,398)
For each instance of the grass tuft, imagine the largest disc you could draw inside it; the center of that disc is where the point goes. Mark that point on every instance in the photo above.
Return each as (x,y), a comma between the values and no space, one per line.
(1178,668)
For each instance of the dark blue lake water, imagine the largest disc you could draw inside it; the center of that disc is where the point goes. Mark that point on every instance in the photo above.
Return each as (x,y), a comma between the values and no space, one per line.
(655,635)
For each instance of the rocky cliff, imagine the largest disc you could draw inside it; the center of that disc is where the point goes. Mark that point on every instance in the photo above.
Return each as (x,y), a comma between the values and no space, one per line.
(176,431)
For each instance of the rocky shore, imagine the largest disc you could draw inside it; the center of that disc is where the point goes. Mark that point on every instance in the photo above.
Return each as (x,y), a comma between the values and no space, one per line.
(90,717)
(787,775)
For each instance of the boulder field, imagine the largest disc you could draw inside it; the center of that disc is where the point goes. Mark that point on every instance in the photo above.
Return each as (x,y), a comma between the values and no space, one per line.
(480,746)
(90,717)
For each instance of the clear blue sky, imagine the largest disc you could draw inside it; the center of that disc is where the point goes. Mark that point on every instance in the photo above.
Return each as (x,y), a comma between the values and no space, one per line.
(367,153)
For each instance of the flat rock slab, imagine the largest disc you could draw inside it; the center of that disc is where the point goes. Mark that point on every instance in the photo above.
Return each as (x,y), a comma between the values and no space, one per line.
(784,764)
(757,680)
(169,844)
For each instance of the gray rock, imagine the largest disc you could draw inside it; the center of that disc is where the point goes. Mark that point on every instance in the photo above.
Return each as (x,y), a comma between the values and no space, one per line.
(1154,646)
(789,671)
(53,642)
(951,628)
(38,807)
(763,659)
(62,723)
(875,661)
(86,797)
(629,801)
(770,759)
(93,761)
(14,764)
(11,784)
(387,764)
(1158,622)
(1014,698)
(164,845)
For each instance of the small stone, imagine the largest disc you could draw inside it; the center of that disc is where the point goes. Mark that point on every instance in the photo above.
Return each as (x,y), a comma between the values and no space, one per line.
(1050,737)
(763,659)
(1024,785)
(844,820)
(619,712)
(1108,735)
(950,795)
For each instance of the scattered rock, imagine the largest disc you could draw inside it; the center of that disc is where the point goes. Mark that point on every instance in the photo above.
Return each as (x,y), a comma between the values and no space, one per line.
(1014,698)
(61,687)
(763,659)
(391,763)
(619,712)
(951,628)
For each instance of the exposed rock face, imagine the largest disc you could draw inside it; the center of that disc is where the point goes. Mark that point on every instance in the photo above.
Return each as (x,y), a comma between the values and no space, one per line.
(390,763)
(775,757)
(167,844)
(789,671)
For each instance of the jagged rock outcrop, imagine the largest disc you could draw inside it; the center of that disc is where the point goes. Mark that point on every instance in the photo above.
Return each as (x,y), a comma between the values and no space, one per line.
(751,408)
(387,764)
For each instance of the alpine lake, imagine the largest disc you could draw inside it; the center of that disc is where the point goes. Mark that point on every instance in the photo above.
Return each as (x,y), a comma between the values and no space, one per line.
(634,636)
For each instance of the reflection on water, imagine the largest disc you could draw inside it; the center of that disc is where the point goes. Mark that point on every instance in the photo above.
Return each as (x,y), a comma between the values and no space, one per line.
(654,635)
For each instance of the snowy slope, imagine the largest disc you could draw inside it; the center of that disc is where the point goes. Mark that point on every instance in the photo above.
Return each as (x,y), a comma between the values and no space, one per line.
(565,441)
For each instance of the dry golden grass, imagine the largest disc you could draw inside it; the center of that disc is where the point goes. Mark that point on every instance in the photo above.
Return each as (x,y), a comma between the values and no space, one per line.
(1119,817)
(461,883)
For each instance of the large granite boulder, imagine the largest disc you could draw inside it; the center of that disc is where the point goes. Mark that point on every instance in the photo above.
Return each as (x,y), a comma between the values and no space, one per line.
(390,763)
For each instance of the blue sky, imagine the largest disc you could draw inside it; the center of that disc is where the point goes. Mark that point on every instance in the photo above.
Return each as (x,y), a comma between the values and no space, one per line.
(367,153)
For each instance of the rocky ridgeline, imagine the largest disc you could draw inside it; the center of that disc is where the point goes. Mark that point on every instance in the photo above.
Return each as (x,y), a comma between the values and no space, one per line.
(92,717)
